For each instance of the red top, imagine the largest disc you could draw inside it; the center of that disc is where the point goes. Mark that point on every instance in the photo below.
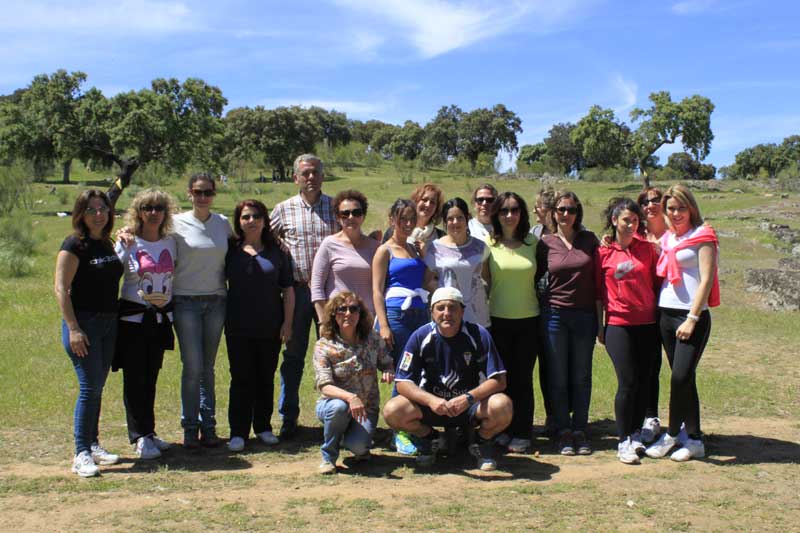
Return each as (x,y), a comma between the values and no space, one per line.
(627,282)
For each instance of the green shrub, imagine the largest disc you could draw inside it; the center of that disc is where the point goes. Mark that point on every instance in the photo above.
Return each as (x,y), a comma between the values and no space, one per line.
(17,244)
(15,188)
(788,179)
(612,174)
(154,174)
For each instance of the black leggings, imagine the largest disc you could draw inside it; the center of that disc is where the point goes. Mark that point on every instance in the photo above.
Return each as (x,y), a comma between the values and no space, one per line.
(517,342)
(683,357)
(252,365)
(651,408)
(633,350)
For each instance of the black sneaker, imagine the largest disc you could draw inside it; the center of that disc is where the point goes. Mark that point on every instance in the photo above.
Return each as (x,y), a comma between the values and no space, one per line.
(483,451)
(582,446)
(427,447)
(209,438)
(565,445)
(288,430)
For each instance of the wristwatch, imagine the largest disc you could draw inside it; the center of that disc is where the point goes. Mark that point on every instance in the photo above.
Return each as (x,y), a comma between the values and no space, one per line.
(470,399)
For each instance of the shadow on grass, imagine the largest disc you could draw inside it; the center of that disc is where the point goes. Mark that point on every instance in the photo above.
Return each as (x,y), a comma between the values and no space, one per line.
(732,450)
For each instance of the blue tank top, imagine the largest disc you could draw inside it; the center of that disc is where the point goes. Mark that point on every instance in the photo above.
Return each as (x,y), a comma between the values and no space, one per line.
(407,273)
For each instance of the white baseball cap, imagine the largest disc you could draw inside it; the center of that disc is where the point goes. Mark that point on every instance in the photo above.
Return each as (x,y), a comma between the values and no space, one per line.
(447,293)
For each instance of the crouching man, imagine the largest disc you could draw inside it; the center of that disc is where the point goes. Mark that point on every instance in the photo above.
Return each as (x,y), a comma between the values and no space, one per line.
(450,375)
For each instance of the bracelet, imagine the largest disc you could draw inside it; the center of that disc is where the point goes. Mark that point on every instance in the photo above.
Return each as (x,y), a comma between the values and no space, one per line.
(693,318)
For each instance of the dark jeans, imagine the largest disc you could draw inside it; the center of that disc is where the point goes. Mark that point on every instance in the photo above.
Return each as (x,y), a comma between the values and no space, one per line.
(294,356)
(568,345)
(683,357)
(140,356)
(252,364)
(403,324)
(92,371)
(633,350)
(516,341)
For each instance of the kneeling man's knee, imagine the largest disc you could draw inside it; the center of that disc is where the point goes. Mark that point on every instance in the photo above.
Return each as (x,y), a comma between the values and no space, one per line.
(501,409)
(394,412)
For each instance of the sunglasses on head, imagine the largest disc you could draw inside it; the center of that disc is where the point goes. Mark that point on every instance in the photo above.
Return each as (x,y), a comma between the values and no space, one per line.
(484,200)
(505,211)
(152,208)
(96,210)
(255,216)
(357,212)
(653,200)
(567,210)
(208,193)
(342,309)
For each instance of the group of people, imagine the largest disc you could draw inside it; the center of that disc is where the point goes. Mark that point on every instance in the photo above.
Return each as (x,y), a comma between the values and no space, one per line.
(455,317)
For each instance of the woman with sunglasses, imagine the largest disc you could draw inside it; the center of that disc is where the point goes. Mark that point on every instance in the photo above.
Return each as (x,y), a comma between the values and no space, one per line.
(199,295)
(145,321)
(688,264)
(86,287)
(344,259)
(510,272)
(569,321)
(259,316)
(456,260)
(347,357)
(480,226)
(627,285)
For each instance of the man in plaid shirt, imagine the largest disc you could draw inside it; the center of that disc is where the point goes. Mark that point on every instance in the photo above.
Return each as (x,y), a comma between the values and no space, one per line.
(300,223)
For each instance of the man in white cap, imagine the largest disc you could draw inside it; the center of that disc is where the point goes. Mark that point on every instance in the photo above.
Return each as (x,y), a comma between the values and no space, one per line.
(450,375)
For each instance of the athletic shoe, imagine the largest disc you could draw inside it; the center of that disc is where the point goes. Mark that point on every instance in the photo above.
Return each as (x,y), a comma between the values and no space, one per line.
(146,449)
(502,440)
(636,443)
(683,437)
(208,438)
(190,440)
(403,444)
(288,429)
(519,445)
(582,446)
(268,438)
(626,453)
(565,445)
(326,468)
(102,457)
(693,448)
(483,451)
(426,448)
(84,465)
(662,446)
(236,444)
(162,445)
(651,429)
(362,458)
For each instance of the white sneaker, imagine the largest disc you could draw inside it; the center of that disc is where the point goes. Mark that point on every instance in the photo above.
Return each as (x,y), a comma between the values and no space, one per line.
(84,465)
(326,468)
(636,443)
(626,453)
(650,429)
(268,438)
(519,445)
(146,449)
(691,449)
(662,446)
(102,457)
(162,445)
(502,439)
(236,444)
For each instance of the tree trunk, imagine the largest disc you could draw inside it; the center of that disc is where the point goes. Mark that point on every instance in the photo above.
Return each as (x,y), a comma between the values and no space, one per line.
(127,168)
(65,169)
(645,179)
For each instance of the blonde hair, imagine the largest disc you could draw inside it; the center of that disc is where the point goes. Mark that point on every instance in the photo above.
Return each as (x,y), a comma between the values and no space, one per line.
(133,217)
(684,196)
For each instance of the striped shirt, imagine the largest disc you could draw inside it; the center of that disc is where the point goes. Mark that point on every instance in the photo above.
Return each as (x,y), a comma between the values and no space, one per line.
(303,227)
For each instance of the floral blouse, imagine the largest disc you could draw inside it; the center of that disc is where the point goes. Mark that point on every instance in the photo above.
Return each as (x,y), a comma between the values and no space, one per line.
(353,368)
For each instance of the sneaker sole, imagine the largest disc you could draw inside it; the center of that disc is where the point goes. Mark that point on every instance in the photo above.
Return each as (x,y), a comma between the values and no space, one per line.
(105,462)
(85,474)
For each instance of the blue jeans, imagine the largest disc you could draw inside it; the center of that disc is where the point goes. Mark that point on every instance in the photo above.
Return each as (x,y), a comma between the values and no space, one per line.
(92,371)
(198,323)
(294,356)
(569,337)
(340,427)
(403,324)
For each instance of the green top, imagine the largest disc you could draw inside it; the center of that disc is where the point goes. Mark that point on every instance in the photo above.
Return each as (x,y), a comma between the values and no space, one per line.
(513,290)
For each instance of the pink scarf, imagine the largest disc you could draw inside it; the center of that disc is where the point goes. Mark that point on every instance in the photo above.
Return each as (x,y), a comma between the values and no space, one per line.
(668,267)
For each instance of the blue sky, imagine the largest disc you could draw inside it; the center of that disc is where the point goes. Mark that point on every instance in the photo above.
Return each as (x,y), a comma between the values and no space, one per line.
(394,60)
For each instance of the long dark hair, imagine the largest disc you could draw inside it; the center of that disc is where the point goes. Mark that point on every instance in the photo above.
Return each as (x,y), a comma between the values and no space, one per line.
(81,203)
(267,239)
(615,207)
(458,203)
(524,225)
(574,197)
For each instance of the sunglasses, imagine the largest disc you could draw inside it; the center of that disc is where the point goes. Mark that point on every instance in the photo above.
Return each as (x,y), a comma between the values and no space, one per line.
(567,210)
(358,213)
(484,200)
(505,211)
(208,193)
(654,200)
(152,208)
(96,210)
(251,217)
(342,309)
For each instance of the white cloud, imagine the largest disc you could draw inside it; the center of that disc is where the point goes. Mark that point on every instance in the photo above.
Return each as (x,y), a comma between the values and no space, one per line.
(434,27)
(689,7)
(626,93)
(121,17)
